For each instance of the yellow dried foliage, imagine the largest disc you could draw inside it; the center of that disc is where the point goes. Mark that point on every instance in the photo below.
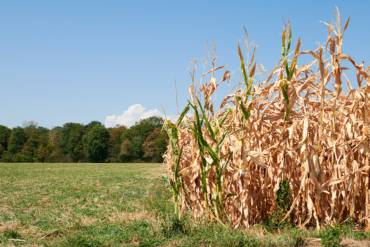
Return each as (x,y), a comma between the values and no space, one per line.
(304,124)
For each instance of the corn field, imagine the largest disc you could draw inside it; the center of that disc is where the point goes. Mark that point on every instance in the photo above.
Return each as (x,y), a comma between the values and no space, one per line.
(304,129)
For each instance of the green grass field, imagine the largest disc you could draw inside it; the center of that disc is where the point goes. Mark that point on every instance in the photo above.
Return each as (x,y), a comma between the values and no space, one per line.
(117,205)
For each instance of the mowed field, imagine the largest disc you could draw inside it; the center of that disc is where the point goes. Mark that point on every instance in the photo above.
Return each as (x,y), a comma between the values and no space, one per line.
(76,204)
(119,205)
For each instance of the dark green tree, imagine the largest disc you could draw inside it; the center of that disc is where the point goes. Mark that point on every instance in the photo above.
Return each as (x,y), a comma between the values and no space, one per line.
(34,150)
(143,142)
(133,139)
(71,141)
(54,146)
(4,138)
(96,142)
(17,140)
(91,125)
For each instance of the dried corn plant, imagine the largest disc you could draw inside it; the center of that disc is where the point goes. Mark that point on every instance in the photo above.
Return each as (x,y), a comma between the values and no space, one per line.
(305,125)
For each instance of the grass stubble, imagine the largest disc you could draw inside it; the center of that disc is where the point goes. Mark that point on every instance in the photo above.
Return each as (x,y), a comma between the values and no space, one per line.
(121,205)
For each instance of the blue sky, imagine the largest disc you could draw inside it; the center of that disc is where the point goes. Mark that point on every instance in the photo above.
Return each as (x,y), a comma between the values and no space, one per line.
(78,61)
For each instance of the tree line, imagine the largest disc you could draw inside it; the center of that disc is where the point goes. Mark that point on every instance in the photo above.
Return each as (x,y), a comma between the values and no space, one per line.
(75,142)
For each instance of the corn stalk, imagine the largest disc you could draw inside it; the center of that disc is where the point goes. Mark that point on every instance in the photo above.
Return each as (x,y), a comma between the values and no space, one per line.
(299,125)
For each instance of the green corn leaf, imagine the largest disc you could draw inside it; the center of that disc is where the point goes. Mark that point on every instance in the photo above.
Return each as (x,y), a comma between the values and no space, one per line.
(171,130)
(284,90)
(287,71)
(212,153)
(294,61)
(197,122)
(177,164)
(204,177)
(221,141)
(283,37)
(242,66)
(182,115)
(289,40)
(223,138)
(245,112)
(208,124)
(225,117)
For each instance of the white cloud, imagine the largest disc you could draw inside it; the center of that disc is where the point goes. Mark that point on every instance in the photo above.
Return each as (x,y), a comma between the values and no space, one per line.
(132,115)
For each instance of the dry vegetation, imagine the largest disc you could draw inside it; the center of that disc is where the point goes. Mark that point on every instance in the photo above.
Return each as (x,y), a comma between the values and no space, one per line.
(294,144)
